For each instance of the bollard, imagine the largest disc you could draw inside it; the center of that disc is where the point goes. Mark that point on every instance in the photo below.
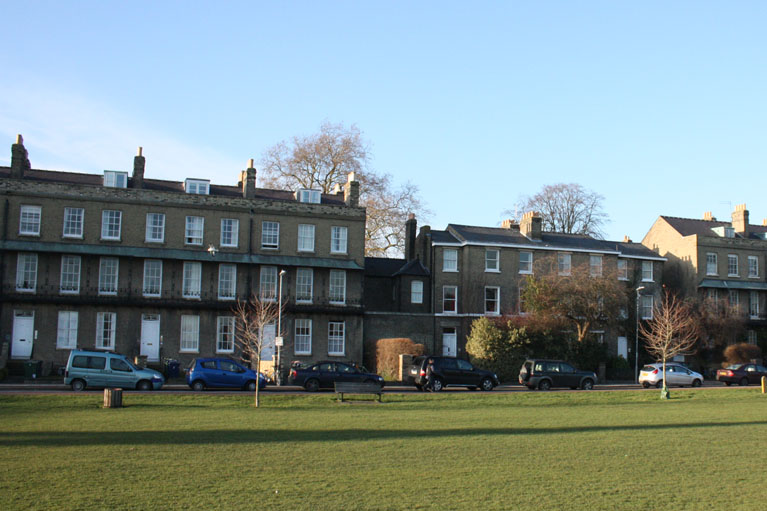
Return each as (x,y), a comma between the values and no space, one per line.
(113,398)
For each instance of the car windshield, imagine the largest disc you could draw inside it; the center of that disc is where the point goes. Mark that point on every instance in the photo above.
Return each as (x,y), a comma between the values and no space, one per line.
(648,368)
(735,366)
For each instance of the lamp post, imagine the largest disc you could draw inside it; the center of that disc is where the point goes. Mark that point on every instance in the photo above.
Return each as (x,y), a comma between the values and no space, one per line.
(278,339)
(636,339)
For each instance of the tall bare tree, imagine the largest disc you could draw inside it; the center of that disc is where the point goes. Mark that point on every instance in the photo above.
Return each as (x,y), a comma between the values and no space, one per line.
(567,208)
(252,317)
(582,299)
(324,159)
(673,330)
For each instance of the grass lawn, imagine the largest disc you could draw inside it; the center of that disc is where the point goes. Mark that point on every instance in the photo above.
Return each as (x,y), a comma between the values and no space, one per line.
(703,449)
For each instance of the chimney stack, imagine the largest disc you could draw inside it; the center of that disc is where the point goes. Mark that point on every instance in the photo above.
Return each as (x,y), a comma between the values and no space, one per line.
(708,217)
(410,226)
(19,158)
(509,223)
(248,181)
(626,239)
(139,163)
(531,225)
(740,220)
(352,191)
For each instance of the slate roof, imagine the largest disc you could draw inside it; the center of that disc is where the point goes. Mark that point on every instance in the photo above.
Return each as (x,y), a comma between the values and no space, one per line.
(691,226)
(388,267)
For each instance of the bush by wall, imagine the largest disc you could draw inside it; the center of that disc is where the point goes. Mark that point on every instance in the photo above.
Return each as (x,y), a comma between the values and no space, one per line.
(742,353)
(387,354)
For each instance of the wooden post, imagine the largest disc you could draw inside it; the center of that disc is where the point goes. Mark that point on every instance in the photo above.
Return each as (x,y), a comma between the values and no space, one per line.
(764,384)
(113,398)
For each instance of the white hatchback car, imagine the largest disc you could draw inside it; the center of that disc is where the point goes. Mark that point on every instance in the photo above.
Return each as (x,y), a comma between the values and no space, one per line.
(676,374)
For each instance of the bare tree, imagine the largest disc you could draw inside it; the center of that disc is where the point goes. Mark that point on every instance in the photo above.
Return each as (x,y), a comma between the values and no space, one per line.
(324,159)
(252,318)
(567,208)
(581,299)
(673,330)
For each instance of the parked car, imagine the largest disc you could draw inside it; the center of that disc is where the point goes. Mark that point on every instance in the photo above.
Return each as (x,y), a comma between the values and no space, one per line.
(545,374)
(222,373)
(454,372)
(322,375)
(108,370)
(676,374)
(742,374)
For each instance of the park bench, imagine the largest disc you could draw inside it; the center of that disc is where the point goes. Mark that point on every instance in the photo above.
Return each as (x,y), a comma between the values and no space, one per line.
(358,388)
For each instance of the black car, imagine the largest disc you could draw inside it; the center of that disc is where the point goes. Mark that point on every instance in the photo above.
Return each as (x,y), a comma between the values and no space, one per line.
(323,375)
(449,371)
(544,374)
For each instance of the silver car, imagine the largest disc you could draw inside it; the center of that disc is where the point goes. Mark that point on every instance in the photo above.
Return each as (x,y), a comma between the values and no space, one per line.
(676,374)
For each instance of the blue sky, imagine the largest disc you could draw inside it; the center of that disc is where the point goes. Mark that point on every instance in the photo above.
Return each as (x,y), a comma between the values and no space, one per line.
(658,106)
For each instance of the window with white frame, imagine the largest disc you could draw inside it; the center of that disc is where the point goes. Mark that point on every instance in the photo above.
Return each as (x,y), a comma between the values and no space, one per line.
(337,292)
(29,220)
(646,307)
(732,265)
(564,263)
(26,272)
(623,269)
(416,291)
(753,304)
(450,299)
(66,332)
(711,264)
(225,334)
(753,267)
(197,186)
(647,271)
(492,300)
(338,239)
(305,237)
(70,274)
(190,287)
(270,235)
(267,289)
(109,268)
(595,265)
(310,196)
(492,262)
(304,285)
(155,227)
(73,222)
(227,281)
(449,259)
(106,325)
(336,331)
(526,262)
(115,179)
(111,222)
(190,334)
(734,298)
(752,338)
(152,277)
(230,230)
(303,336)
(194,230)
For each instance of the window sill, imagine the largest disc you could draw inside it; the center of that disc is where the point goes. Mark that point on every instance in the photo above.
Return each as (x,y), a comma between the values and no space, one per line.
(303,353)
(336,354)
(492,271)
(188,351)
(109,239)
(71,237)
(30,234)
(525,272)
(648,280)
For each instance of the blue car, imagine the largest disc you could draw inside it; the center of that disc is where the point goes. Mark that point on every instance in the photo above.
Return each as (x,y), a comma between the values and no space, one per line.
(206,373)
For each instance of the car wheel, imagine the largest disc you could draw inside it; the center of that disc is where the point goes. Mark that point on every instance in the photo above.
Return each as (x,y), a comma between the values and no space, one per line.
(437,385)
(659,384)
(645,385)
(251,386)
(487,384)
(544,385)
(588,384)
(198,385)
(78,385)
(696,383)
(143,385)
(728,383)
(743,382)
(312,385)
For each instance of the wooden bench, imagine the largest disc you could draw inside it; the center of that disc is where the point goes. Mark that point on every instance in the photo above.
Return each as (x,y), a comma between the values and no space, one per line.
(358,388)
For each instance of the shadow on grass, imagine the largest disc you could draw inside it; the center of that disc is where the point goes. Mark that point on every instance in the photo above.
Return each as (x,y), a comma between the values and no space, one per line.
(267,436)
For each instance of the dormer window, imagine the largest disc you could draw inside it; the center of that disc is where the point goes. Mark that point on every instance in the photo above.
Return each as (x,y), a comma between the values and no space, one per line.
(310,196)
(197,186)
(115,179)
(729,232)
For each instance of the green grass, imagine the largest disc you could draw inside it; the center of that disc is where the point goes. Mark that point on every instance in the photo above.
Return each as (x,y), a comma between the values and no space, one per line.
(587,450)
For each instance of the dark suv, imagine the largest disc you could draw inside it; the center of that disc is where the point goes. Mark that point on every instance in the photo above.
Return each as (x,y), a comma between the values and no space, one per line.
(451,371)
(544,374)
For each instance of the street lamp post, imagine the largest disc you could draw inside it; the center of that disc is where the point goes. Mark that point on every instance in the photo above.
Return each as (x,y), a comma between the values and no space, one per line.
(278,339)
(636,339)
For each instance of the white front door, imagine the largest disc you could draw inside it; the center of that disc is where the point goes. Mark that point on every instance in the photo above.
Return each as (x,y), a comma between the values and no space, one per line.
(623,348)
(449,339)
(23,334)
(150,336)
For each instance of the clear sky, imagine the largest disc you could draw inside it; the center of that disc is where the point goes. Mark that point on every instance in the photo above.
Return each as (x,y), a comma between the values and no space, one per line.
(658,106)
